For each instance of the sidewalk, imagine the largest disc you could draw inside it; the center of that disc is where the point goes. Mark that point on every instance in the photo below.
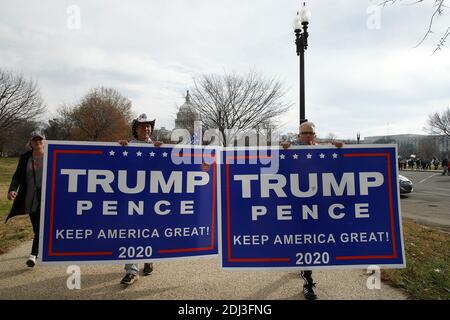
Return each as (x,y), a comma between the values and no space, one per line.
(189,279)
(421,170)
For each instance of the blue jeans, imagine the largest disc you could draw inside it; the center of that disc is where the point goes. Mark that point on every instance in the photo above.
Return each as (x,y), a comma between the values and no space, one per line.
(132,268)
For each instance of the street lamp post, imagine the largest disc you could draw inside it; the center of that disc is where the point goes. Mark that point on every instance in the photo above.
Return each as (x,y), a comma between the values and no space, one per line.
(301,22)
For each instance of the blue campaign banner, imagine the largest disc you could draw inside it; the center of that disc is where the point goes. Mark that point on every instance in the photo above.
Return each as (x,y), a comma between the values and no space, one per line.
(310,207)
(103,202)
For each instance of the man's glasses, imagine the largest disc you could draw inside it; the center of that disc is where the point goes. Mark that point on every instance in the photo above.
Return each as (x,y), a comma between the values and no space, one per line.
(307,132)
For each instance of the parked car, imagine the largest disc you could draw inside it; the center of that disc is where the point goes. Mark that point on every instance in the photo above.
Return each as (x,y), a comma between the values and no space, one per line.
(406,186)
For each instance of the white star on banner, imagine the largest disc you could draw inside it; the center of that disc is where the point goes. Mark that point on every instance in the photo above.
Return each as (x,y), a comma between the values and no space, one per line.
(111,153)
(164,154)
(139,153)
(282,157)
(335,155)
(309,156)
(125,153)
(295,156)
(322,156)
(152,154)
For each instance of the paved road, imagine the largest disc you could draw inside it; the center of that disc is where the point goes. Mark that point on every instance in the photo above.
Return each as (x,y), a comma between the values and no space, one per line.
(188,279)
(429,203)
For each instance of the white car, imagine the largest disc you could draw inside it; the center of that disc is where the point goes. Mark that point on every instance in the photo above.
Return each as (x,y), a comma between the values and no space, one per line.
(406,186)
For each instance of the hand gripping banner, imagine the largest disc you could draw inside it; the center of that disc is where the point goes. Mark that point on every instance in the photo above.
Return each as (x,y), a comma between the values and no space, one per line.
(103,202)
(311,207)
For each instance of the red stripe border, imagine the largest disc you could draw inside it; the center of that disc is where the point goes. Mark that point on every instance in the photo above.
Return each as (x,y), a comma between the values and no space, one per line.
(338,258)
(391,210)
(230,257)
(213,225)
(51,253)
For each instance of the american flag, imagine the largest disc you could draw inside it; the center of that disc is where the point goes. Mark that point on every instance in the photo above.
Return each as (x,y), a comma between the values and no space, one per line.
(197,136)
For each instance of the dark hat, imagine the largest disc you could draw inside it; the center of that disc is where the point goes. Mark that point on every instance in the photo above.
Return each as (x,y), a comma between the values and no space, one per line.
(139,120)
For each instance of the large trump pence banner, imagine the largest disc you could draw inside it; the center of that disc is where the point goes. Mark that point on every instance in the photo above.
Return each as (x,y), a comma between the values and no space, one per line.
(311,208)
(105,202)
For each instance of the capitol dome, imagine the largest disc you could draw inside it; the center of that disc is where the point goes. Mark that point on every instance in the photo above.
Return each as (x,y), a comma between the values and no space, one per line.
(186,115)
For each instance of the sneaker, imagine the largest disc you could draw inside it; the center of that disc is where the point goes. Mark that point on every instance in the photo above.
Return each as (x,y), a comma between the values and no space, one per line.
(308,291)
(308,285)
(129,279)
(31,262)
(148,268)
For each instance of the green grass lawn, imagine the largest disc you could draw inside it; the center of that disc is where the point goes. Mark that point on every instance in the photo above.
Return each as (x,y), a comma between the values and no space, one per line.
(17,229)
(427,272)
(7,168)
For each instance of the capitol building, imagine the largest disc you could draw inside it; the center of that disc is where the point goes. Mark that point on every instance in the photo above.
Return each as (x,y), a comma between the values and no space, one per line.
(185,119)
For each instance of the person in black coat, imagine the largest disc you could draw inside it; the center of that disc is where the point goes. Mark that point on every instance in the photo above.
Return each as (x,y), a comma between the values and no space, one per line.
(445,166)
(307,136)
(25,189)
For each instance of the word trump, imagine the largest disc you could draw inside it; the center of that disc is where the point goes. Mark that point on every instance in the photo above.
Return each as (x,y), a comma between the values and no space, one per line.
(275,184)
(330,186)
(104,179)
(107,181)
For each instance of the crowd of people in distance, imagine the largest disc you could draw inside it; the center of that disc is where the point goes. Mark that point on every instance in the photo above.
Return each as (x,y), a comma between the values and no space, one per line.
(423,164)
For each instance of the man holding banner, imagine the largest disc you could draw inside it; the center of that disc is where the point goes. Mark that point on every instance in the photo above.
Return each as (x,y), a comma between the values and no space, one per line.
(141,130)
(127,202)
(307,136)
(311,207)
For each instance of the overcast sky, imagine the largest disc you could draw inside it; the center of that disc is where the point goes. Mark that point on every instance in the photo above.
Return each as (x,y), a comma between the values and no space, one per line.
(362,70)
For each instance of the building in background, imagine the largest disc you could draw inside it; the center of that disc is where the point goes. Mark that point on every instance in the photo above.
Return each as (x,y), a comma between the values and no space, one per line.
(186,116)
(425,146)
(162,135)
(185,119)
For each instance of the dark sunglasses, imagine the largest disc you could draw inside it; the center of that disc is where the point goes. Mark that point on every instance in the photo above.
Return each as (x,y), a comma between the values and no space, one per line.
(307,132)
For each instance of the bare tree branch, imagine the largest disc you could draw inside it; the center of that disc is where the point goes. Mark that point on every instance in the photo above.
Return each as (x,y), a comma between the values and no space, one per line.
(439,7)
(439,123)
(20,99)
(441,43)
(439,4)
(237,102)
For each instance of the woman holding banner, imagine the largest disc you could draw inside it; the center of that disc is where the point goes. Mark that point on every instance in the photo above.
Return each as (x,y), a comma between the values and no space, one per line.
(141,130)
(25,189)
